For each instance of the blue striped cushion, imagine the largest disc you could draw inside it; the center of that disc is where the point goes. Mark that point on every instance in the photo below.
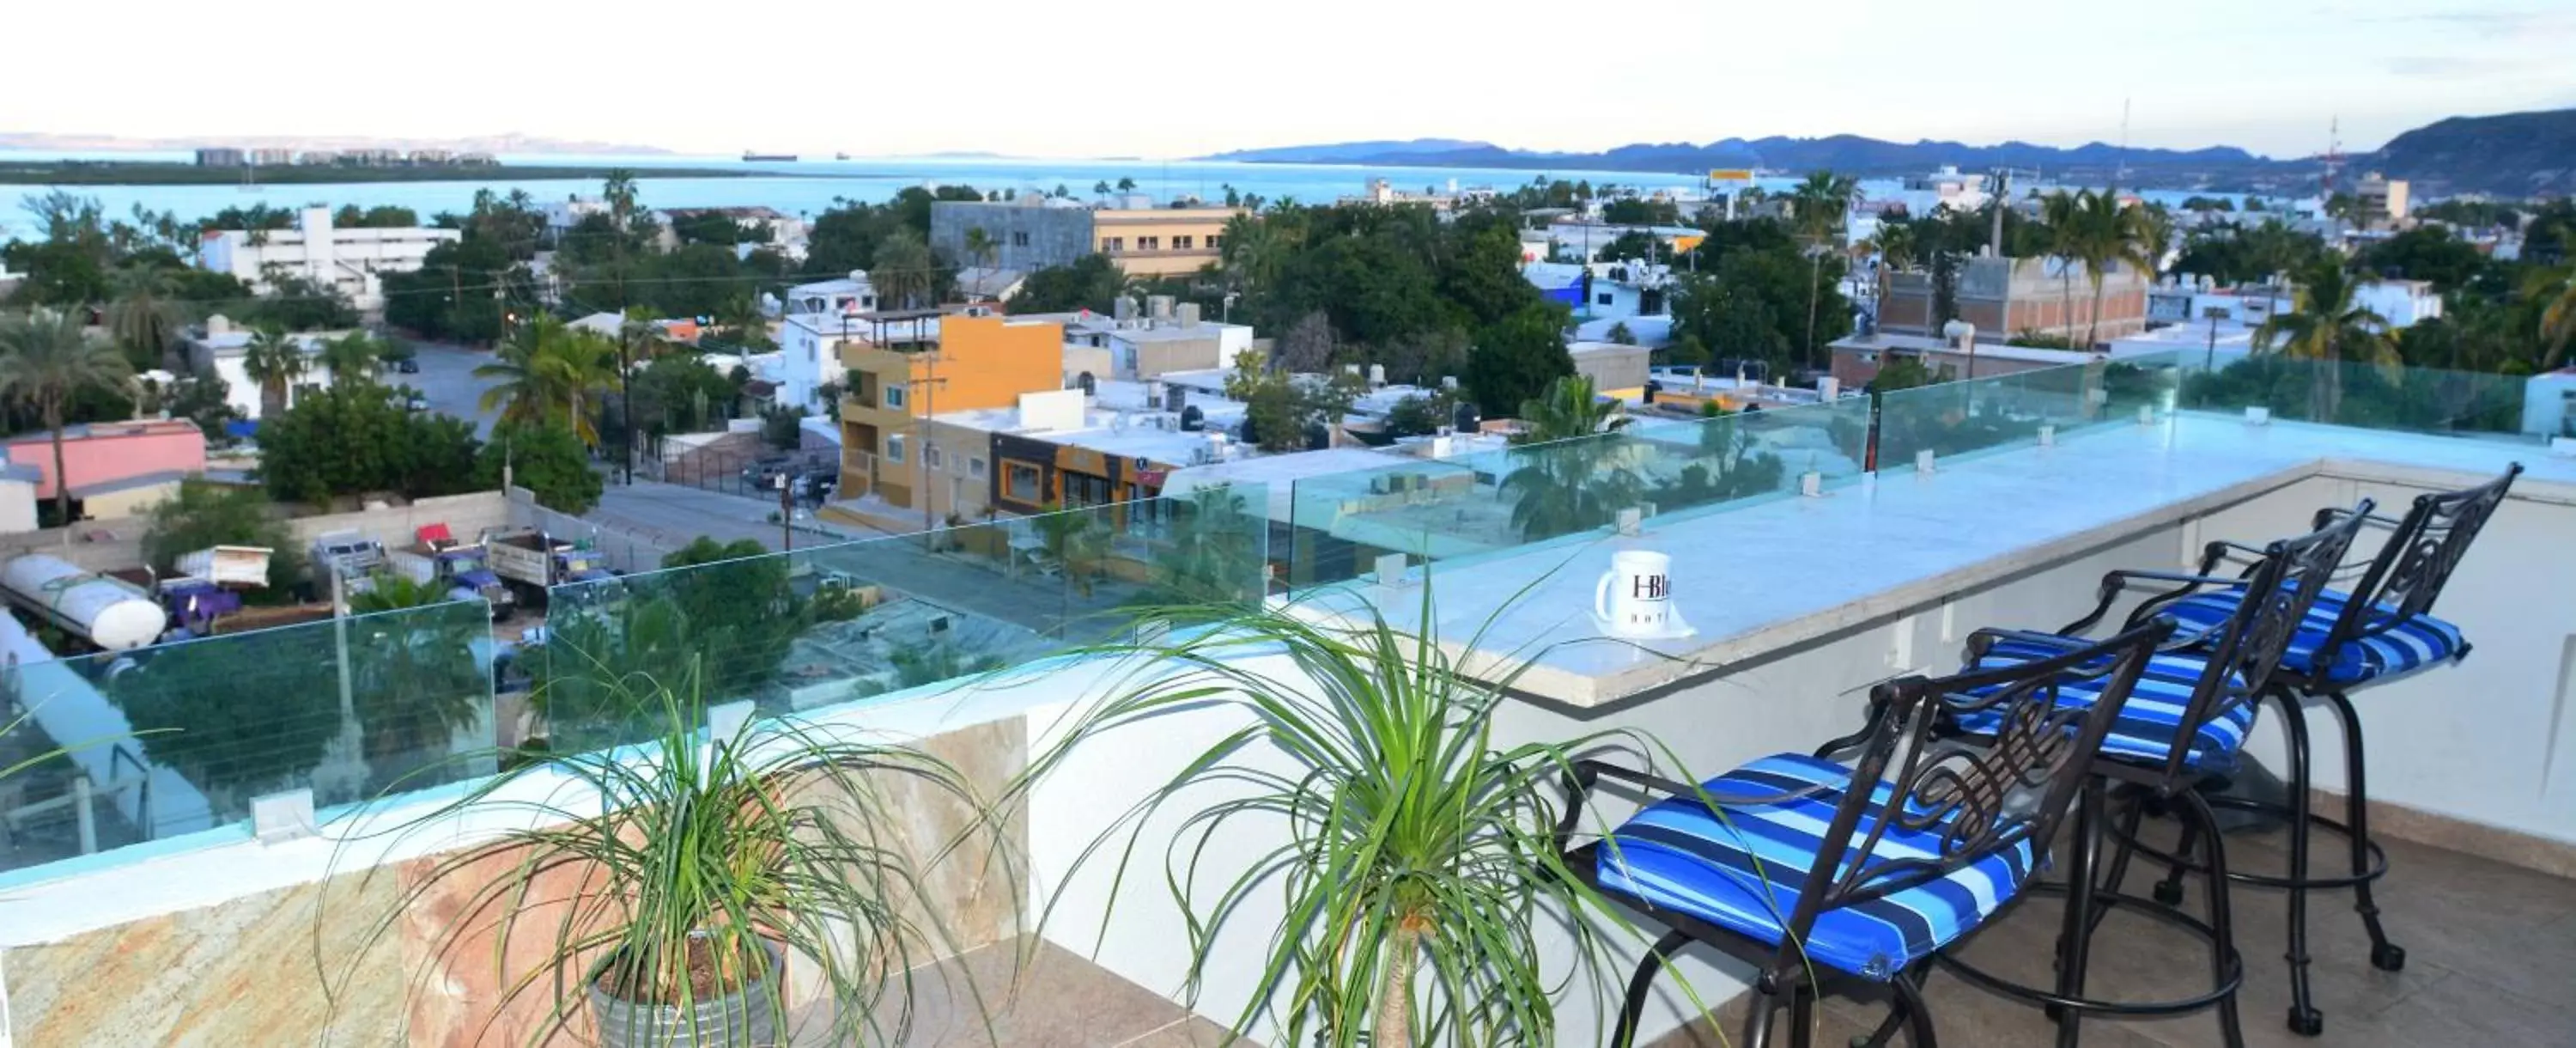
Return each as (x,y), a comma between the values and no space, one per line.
(2414,643)
(2150,719)
(1743,871)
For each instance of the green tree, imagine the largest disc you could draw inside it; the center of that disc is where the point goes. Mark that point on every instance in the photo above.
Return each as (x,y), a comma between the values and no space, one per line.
(276,361)
(2109,234)
(545,458)
(46,358)
(2329,329)
(2555,291)
(905,274)
(1091,282)
(145,316)
(2427,253)
(1568,409)
(548,373)
(348,441)
(1515,359)
(741,610)
(204,515)
(354,358)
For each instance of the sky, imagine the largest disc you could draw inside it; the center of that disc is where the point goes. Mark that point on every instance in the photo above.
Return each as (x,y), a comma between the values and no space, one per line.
(1178,78)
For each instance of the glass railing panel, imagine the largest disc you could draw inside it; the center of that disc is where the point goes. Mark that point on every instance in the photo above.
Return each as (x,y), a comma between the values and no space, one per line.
(796,631)
(178,738)
(2360,395)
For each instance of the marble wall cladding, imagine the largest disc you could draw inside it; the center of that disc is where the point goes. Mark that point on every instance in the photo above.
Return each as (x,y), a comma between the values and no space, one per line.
(253,970)
(292,966)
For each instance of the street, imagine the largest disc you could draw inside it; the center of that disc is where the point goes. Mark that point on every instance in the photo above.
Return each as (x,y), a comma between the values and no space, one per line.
(447,379)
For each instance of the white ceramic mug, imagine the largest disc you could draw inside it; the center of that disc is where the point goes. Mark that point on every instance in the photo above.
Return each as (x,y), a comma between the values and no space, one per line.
(1635,596)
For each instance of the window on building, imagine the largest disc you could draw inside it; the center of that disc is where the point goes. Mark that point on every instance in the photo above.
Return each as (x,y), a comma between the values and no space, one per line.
(1149,243)
(894,448)
(932,457)
(1601,299)
(975,468)
(1082,489)
(1020,239)
(894,396)
(1114,245)
(1181,243)
(1215,242)
(1020,482)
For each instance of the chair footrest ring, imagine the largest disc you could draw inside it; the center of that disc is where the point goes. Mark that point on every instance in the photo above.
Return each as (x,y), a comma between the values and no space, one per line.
(2313,882)
(2050,998)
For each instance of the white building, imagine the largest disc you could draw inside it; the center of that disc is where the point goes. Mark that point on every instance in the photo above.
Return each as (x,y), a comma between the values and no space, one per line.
(219,349)
(851,294)
(348,260)
(2403,303)
(2181,300)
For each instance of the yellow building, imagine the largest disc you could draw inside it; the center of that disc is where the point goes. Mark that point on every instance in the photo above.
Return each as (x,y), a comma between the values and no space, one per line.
(916,366)
(1161,241)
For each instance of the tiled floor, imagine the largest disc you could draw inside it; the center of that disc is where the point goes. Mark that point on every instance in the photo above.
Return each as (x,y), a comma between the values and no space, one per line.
(2491,961)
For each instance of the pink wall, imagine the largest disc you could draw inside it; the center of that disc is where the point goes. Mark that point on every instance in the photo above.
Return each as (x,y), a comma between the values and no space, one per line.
(113,451)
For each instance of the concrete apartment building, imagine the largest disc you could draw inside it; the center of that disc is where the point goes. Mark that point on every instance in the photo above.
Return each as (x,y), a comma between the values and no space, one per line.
(2380,202)
(1142,345)
(917,364)
(348,260)
(1033,233)
(818,319)
(2005,297)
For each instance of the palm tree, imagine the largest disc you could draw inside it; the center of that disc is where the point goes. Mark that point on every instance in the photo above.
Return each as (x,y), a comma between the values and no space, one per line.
(1821,204)
(980,247)
(1896,249)
(2107,234)
(2063,213)
(353,358)
(2557,290)
(902,272)
(1566,410)
(547,373)
(2330,329)
(46,357)
(144,316)
(275,360)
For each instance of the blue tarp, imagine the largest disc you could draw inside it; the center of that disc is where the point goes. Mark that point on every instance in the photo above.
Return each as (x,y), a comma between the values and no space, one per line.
(1571,295)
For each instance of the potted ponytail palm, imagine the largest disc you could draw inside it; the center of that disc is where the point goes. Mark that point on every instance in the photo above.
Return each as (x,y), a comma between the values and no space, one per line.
(1420,860)
(658,892)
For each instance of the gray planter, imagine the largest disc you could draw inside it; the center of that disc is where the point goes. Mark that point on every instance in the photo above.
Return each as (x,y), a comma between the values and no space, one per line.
(744,1019)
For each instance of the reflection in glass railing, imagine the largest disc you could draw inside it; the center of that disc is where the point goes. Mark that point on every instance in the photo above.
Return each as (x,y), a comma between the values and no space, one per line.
(795,631)
(1954,419)
(178,738)
(2361,395)
(1488,501)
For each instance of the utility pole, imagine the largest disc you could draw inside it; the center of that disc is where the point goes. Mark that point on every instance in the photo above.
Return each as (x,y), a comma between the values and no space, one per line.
(786,515)
(2002,200)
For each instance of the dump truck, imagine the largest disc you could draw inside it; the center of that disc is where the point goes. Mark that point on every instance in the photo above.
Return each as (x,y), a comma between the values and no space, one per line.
(227,565)
(532,561)
(439,560)
(349,555)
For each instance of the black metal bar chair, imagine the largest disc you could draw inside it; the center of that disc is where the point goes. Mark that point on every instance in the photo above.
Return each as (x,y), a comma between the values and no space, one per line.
(2380,630)
(2182,726)
(1818,871)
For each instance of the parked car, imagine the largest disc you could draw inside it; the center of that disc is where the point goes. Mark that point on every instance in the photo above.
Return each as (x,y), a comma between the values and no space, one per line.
(765,473)
(416,402)
(408,366)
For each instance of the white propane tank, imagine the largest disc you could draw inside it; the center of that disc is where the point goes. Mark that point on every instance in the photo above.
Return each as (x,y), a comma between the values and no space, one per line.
(114,615)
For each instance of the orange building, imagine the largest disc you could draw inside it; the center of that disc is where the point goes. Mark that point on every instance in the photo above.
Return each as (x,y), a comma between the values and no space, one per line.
(918,365)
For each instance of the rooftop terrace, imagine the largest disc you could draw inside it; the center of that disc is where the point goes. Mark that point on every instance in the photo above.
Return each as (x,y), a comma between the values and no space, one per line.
(1805,574)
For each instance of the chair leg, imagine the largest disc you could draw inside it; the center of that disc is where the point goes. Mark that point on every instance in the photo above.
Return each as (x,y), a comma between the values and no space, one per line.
(2222,946)
(1909,997)
(2384,955)
(1757,1016)
(1624,1033)
(2075,935)
(2118,875)
(2169,890)
(2305,1019)
(1802,1016)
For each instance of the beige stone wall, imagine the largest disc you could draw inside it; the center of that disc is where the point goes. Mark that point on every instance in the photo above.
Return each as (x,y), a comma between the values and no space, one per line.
(389,956)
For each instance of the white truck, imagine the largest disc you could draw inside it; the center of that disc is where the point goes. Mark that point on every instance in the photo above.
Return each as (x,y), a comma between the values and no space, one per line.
(532,561)
(349,555)
(227,565)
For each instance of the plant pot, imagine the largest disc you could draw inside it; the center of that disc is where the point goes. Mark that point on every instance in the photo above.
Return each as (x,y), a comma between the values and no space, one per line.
(745,1018)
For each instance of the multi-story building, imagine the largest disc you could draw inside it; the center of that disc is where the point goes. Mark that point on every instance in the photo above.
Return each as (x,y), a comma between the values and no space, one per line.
(1033,233)
(272,157)
(2380,202)
(346,260)
(218,348)
(219,157)
(904,367)
(2006,297)
(1165,337)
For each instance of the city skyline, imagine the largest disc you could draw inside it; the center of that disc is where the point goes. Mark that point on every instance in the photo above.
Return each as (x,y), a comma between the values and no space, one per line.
(1171,80)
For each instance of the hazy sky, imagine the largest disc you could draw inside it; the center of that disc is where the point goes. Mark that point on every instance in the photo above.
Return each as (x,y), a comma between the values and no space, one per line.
(1165,78)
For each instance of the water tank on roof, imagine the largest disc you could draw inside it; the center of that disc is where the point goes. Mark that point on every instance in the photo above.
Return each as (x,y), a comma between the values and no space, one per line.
(1467,419)
(1193,420)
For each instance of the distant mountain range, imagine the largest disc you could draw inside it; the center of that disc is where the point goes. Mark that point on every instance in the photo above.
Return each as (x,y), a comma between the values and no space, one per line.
(2515,154)
(508,143)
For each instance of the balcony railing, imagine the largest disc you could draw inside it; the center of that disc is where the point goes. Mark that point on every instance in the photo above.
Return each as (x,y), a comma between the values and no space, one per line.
(368,706)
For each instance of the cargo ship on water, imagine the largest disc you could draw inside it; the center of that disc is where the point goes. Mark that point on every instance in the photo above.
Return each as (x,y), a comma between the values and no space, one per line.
(749,157)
